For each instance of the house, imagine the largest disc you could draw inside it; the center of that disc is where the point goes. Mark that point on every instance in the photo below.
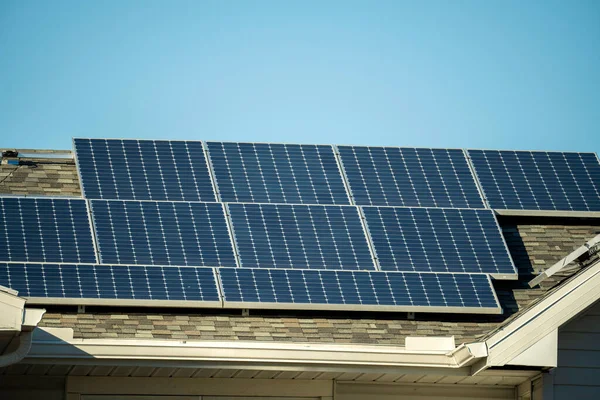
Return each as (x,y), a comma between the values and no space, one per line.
(542,346)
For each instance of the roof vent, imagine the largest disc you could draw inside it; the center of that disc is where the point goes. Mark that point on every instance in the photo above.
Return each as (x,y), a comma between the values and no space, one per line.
(10,157)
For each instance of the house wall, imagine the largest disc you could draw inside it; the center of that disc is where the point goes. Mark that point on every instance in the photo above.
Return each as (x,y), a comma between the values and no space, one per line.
(108,388)
(578,373)
(32,387)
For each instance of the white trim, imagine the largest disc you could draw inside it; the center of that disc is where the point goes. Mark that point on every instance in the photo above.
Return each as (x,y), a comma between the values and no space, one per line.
(543,318)
(547,213)
(236,354)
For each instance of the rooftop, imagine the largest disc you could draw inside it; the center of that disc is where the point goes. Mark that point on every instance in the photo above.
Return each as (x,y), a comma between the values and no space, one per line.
(535,244)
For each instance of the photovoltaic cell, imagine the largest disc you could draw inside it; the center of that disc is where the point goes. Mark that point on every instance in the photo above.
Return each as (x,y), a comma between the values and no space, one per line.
(162,233)
(299,236)
(438,240)
(110,282)
(392,176)
(537,180)
(143,170)
(45,230)
(277,173)
(270,287)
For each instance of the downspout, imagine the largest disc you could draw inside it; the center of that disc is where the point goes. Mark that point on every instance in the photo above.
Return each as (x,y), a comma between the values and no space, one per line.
(25,340)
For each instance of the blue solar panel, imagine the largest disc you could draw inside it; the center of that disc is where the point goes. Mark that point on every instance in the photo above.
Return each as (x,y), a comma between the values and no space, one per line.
(143,170)
(392,176)
(299,236)
(438,240)
(45,230)
(537,180)
(111,282)
(277,173)
(371,290)
(162,233)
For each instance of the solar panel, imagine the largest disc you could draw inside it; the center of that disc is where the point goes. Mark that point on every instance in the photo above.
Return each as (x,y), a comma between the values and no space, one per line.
(277,173)
(162,233)
(357,290)
(299,236)
(73,281)
(392,176)
(438,240)
(45,230)
(537,180)
(143,170)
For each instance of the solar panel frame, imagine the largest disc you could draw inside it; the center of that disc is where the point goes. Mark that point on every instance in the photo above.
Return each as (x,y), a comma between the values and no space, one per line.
(362,191)
(225,182)
(261,219)
(69,239)
(196,171)
(518,187)
(120,285)
(241,288)
(443,239)
(186,250)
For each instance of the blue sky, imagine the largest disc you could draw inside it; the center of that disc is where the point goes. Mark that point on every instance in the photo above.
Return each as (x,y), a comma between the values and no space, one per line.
(475,74)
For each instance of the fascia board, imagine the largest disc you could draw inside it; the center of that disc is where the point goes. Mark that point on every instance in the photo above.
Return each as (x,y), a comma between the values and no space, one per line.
(11,310)
(544,317)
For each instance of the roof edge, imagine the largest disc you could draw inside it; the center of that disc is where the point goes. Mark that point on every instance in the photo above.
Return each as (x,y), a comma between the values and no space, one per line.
(552,311)
(235,354)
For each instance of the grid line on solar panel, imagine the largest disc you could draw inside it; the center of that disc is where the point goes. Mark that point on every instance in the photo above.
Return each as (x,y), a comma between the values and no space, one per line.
(78,281)
(45,229)
(538,180)
(299,236)
(438,240)
(162,233)
(277,173)
(128,169)
(309,288)
(415,177)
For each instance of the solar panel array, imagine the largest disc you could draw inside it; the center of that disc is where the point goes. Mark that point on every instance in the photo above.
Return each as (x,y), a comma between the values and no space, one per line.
(268,288)
(162,233)
(393,176)
(143,170)
(45,230)
(299,236)
(80,281)
(247,225)
(438,240)
(537,180)
(277,173)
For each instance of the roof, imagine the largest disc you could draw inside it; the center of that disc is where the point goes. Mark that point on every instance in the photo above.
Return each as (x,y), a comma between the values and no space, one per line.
(534,243)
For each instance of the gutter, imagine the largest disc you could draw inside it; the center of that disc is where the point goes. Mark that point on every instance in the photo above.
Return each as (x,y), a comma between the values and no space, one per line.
(57,346)
(18,322)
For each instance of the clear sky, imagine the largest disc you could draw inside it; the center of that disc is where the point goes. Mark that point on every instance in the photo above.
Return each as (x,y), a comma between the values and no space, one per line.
(475,74)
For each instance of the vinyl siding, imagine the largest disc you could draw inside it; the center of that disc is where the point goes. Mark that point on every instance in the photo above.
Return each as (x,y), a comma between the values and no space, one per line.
(578,372)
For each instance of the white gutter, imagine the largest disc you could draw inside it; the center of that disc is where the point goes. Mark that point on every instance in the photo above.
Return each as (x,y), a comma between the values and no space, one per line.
(17,321)
(235,354)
